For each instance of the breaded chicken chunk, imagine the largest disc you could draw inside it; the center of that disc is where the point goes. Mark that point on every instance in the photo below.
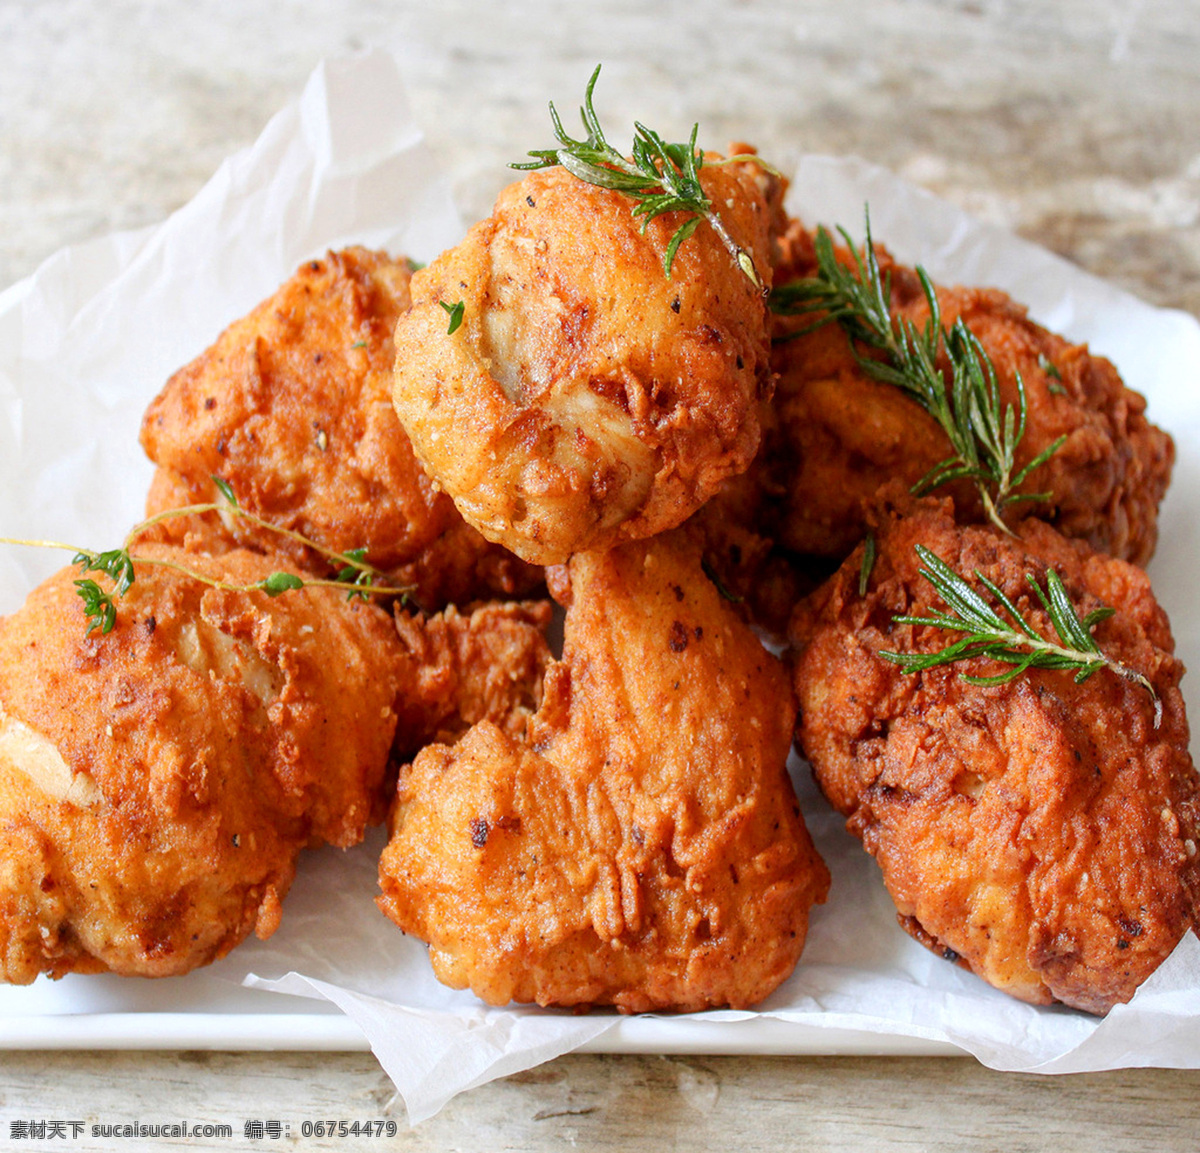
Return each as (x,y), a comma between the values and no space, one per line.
(843,434)
(462,668)
(643,847)
(587,399)
(1042,832)
(292,408)
(157,783)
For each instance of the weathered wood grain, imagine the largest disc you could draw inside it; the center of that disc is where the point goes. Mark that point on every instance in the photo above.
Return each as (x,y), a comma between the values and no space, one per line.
(611,1103)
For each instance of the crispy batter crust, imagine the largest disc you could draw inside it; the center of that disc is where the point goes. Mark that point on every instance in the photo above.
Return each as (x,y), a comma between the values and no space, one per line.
(1044,832)
(157,783)
(462,668)
(843,435)
(586,399)
(292,407)
(644,847)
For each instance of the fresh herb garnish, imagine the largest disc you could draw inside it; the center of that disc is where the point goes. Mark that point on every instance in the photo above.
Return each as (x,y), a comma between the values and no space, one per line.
(983,434)
(99,606)
(357,573)
(868,564)
(723,591)
(661,177)
(226,490)
(118,564)
(1012,642)
(1054,385)
(1048,366)
(455,312)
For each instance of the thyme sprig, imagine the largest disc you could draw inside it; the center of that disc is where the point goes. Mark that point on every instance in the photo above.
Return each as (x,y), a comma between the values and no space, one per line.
(100,605)
(983,434)
(661,177)
(1014,642)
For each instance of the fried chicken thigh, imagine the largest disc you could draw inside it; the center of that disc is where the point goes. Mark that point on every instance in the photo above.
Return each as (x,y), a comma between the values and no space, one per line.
(292,408)
(843,434)
(157,783)
(586,398)
(1042,832)
(643,846)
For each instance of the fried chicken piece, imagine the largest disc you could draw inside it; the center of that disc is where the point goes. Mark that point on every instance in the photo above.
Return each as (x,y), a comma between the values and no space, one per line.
(844,435)
(460,669)
(586,399)
(741,553)
(1041,831)
(157,783)
(292,407)
(643,847)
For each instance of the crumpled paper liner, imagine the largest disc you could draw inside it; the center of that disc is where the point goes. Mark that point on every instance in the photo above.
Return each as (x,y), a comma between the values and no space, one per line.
(90,338)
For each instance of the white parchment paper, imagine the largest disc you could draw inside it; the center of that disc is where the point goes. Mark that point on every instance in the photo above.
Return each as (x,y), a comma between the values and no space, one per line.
(89,339)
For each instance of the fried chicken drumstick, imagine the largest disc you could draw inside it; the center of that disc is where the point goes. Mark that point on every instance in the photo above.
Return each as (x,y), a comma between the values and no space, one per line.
(642,846)
(585,398)
(1043,832)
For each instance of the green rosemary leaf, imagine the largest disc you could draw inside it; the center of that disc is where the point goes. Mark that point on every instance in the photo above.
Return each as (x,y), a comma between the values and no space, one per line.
(956,592)
(455,312)
(868,564)
(1013,642)
(681,234)
(660,177)
(1037,461)
(963,397)
(1048,366)
(722,591)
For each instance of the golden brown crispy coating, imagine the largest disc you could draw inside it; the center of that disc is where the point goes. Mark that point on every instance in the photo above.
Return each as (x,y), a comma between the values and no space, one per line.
(158,783)
(1044,832)
(292,407)
(741,552)
(644,847)
(459,669)
(586,399)
(844,434)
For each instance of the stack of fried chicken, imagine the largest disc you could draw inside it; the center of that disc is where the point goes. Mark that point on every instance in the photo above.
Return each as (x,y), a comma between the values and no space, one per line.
(544,409)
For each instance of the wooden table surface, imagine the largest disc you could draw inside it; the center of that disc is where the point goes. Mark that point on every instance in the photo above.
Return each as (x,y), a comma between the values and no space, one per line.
(1073,122)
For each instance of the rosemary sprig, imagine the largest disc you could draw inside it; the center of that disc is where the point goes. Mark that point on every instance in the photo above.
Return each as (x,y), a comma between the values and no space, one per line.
(661,177)
(1012,642)
(118,564)
(983,434)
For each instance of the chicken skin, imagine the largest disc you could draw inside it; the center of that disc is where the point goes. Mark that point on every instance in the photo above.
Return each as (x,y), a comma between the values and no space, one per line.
(157,783)
(643,846)
(1042,832)
(586,399)
(292,408)
(842,434)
